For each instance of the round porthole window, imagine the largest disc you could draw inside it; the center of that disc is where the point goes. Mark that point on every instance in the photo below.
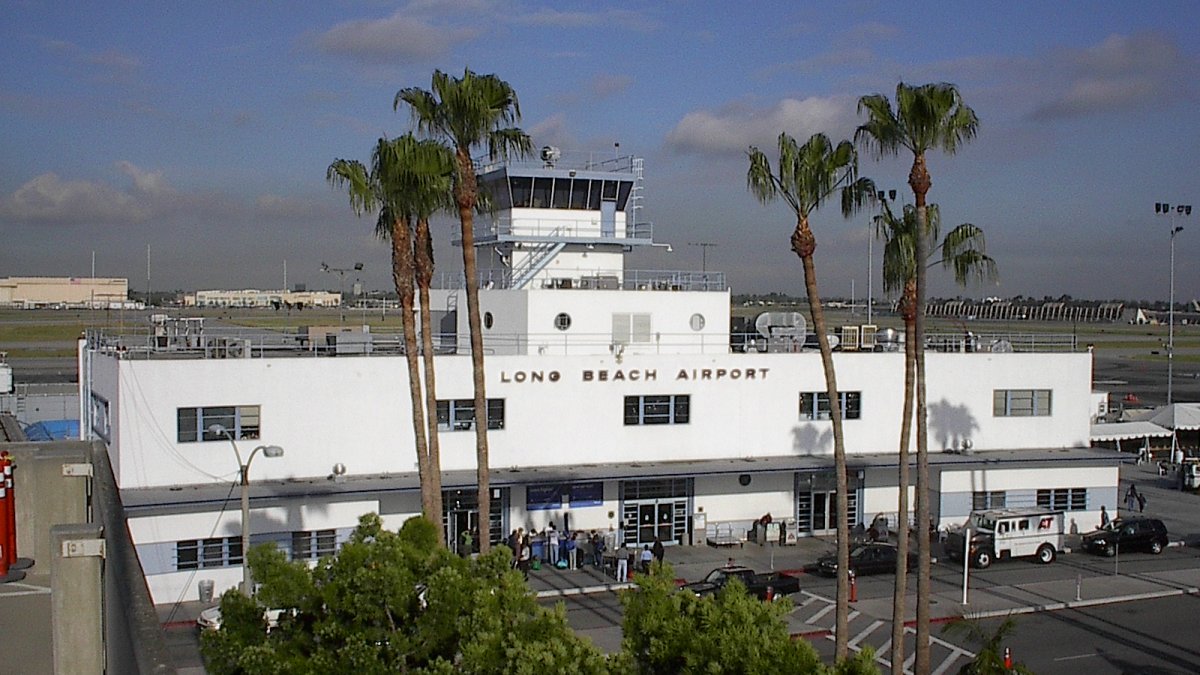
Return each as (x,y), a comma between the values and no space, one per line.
(562,321)
(487,320)
(697,322)
(744,479)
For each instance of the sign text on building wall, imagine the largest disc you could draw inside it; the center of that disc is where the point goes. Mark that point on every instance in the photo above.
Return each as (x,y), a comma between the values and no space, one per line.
(637,375)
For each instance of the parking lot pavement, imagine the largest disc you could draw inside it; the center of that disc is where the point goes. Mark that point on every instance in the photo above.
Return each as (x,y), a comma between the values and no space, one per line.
(25,631)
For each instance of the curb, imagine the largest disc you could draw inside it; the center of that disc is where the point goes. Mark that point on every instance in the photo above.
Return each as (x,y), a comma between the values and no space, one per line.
(1077,604)
(583,590)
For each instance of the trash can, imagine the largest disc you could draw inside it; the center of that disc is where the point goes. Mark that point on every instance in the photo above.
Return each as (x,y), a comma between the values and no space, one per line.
(206,590)
(536,564)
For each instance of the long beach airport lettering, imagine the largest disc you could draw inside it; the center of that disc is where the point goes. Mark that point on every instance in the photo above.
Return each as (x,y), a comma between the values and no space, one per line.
(637,375)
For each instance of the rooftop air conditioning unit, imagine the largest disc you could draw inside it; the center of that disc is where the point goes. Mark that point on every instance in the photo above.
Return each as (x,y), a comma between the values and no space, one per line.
(866,338)
(849,338)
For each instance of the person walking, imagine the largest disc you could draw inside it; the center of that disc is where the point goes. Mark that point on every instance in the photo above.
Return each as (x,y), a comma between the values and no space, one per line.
(658,551)
(647,556)
(1131,498)
(1103,517)
(1141,500)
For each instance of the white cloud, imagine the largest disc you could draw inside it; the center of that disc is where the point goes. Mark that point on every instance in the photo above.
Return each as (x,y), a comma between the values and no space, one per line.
(559,19)
(397,37)
(736,127)
(49,200)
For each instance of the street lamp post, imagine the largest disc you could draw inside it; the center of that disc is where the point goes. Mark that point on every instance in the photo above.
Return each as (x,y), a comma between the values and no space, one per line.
(244,477)
(1163,208)
(341,272)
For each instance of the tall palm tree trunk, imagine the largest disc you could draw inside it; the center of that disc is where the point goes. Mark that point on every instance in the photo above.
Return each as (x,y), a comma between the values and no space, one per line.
(466,189)
(805,244)
(918,179)
(903,533)
(424,273)
(402,276)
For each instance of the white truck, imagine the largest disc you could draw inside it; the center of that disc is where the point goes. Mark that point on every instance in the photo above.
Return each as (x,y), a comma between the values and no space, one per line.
(1007,533)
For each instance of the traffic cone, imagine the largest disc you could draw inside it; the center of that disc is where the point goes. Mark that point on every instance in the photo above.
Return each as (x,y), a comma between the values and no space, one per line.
(770,594)
(1008,662)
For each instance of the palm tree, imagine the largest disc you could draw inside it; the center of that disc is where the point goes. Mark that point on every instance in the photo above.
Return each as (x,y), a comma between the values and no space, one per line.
(926,117)
(962,251)
(989,660)
(808,175)
(408,180)
(465,113)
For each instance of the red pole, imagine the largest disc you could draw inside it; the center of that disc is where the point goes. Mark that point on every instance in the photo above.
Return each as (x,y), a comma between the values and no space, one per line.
(3,531)
(853,587)
(10,547)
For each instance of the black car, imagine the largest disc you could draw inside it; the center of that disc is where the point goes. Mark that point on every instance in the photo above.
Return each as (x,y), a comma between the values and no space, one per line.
(874,558)
(1127,534)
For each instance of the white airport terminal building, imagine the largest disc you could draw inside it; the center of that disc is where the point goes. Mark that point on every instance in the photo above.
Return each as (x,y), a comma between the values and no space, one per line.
(618,400)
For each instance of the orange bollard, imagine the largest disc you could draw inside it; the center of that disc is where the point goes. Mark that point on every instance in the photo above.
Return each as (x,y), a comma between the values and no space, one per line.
(3,531)
(770,594)
(853,587)
(1008,662)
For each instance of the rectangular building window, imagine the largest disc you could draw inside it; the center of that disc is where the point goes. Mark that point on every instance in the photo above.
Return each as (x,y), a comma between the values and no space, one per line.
(630,328)
(311,545)
(1021,403)
(1063,499)
(459,414)
(665,409)
(982,501)
(194,554)
(195,424)
(815,405)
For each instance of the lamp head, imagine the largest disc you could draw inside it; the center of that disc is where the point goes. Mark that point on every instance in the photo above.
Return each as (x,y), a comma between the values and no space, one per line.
(358,267)
(217,430)
(272,451)
(1177,230)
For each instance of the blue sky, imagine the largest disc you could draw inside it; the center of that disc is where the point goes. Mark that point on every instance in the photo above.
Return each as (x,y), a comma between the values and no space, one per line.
(203,130)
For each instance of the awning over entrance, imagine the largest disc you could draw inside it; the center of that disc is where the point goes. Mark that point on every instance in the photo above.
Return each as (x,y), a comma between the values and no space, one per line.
(1123,431)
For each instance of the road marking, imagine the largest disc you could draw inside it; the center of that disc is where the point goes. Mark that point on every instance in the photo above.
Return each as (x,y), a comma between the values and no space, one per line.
(820,614)
(865,632)
(1072,658)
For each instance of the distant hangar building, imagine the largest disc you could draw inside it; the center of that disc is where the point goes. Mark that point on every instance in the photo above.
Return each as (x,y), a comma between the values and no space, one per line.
(73,292)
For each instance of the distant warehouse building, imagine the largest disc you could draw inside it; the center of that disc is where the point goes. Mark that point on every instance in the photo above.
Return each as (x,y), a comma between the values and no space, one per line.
(256,298)
(74,292)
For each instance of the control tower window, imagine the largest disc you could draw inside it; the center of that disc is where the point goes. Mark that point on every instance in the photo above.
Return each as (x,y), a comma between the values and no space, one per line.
(594,195)
(562,193)
(542,188)
(610,190)
(623,194)
(497,191)
(579,193)
(522,191)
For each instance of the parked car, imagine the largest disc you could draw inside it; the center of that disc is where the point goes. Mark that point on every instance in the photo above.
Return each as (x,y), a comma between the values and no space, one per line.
(874,558)
(757,584)
(210,619)
(1007,533)
(1127,534)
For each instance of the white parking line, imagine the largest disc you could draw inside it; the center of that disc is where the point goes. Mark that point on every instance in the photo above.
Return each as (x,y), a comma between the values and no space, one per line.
(865,632)
(1077,656)
(820,614)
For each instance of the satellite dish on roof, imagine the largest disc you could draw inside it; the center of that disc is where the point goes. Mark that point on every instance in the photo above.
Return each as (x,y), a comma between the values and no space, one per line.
(780,324)
(550,154)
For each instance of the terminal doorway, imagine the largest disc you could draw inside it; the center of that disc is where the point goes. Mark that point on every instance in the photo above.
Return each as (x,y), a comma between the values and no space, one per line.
(460,512)
(655,509)
(816,502)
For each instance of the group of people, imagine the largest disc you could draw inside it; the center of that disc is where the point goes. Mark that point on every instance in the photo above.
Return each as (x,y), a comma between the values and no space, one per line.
(563,550)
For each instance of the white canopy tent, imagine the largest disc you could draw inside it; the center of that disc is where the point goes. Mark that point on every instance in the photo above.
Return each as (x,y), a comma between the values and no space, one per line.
(1126,431)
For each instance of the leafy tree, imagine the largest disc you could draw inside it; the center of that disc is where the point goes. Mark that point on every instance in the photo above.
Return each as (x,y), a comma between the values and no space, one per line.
(926,117)
(389,602)
(466,113)
(989,660)
(669,632)
(807,176)
(963,252)
(408,181)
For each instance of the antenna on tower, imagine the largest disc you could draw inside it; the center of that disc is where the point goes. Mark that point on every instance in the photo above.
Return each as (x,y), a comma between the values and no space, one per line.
(704,246)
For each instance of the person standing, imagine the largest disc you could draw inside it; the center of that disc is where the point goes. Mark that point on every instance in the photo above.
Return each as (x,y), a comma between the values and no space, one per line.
(523,560)
(622,564)
(572,556)
(552,543)
(647,556)
(658,551)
